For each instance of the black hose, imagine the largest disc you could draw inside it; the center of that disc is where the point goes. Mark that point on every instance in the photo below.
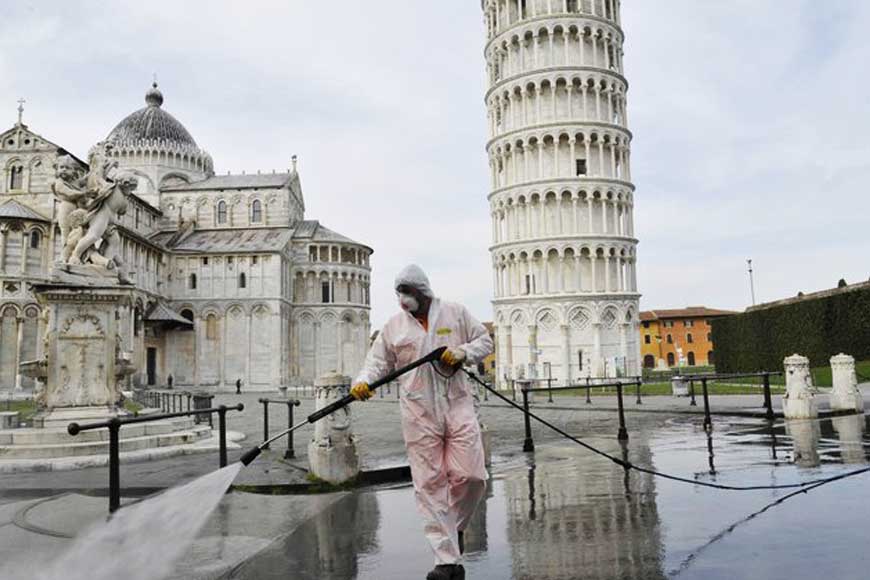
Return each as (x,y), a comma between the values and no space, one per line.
(628,465)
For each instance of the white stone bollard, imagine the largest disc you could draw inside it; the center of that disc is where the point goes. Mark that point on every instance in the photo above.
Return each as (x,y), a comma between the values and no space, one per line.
(799,401)
(845,396)
(332,453)
(679,387)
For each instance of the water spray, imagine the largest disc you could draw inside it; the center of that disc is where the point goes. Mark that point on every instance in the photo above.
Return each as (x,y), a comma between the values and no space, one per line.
(252,454)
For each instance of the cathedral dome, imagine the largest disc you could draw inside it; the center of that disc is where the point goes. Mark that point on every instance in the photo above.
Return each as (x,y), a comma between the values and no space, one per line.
(151,123)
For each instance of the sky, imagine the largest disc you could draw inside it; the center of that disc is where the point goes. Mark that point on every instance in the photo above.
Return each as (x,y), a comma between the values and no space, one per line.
(749,118)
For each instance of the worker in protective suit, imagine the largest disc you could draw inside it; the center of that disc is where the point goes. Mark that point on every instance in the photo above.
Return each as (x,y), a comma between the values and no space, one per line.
(439,423)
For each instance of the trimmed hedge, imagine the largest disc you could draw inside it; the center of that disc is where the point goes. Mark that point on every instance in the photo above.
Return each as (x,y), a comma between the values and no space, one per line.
(818,328)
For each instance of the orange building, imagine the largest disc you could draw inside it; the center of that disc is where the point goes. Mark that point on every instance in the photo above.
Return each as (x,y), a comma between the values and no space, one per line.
(680,337)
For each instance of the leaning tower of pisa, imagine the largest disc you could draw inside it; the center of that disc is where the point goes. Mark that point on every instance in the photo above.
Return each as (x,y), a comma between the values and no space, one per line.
(563,247)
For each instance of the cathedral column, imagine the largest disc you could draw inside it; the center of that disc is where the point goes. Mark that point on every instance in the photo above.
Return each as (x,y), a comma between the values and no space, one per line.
(575,213)
(581,36)
(607,281)
(4,232)
(19,339)
(540,157)
(566,354)
(24,246)
(578,258)
(222,367)
(587,145)
(557,141)
(597,103)
(249,334)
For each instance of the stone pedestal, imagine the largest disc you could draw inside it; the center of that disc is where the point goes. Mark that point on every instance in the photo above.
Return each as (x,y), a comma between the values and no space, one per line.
(845,396)
(332,453)
(679,387)
(799,401)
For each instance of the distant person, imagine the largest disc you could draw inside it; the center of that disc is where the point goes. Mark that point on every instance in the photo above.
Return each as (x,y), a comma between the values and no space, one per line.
(238,386)
(439,423)
(169,381)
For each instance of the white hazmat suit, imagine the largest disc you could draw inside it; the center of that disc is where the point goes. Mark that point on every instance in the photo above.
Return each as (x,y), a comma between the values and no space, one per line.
(439,424)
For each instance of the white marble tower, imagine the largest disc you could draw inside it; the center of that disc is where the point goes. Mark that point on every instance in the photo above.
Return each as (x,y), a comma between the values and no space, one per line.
(563,252)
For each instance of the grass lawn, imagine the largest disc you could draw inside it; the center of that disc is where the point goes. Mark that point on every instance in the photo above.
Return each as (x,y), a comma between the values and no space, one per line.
(657,389)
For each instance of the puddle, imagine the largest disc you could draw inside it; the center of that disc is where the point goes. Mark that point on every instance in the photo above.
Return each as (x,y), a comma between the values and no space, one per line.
(562,513)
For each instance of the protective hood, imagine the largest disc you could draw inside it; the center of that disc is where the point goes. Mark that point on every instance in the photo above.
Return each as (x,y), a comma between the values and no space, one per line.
(415,277)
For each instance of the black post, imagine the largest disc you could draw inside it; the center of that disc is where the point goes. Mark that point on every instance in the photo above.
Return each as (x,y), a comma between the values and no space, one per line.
(222,425)
(188,401)
(290,453)
(528,444)
(588,391)
(265,422)
(638,402)
(381,393)
(623,432)
(114,465)
(513,390)
(692,403)
(549,390)
(768,401)
(708,423)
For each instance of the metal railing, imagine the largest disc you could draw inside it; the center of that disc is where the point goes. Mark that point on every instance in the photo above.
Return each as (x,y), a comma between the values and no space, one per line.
(637,382)
(114,426)
(290,453)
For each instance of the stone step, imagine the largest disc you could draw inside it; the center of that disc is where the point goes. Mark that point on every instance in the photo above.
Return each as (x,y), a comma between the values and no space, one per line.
(52,436)
(82,448)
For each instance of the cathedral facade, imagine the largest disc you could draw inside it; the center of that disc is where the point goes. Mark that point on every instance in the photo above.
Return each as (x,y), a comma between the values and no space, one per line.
(232,282)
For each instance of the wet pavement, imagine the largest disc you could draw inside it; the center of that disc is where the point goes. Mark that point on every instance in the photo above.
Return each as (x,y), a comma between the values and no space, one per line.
(562,513)
(558,513)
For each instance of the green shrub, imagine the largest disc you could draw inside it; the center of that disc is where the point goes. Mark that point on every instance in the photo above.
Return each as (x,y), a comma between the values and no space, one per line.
(816,328)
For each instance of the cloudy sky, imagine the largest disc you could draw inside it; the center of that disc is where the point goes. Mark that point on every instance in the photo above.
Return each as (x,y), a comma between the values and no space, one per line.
(750,120)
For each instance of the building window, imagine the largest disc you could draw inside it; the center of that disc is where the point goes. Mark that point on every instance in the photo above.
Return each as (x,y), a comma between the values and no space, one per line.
(188,314)
(137,217)
(671,359)
(710,359)
(646,339)
(572,6)
(222,212)
(668,324)
(691,359)
(688,323)
(581,167)
(16,178)
(243,281)
(709,337)
(649,362)
(211,327)
(324,292)
(646,324)
(256,212)
(191,282)
(580,360)
(35,238)
(708,323)
(689,338)
(205,261)
(254,260)
(670,339)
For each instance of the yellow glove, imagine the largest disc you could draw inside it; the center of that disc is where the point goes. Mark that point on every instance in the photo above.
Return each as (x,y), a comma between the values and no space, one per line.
(453,356)
(362,392)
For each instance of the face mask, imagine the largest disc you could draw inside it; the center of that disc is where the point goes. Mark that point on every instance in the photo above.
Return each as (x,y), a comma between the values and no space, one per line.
(408,303)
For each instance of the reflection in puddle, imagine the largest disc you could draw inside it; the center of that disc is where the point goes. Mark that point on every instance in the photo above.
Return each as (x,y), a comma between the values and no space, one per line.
(562,513)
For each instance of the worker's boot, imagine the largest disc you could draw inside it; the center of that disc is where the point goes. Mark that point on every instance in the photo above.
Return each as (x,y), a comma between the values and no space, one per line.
(447,572)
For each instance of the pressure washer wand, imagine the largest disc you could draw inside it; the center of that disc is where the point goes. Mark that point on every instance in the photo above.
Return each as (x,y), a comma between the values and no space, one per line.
(433,356)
